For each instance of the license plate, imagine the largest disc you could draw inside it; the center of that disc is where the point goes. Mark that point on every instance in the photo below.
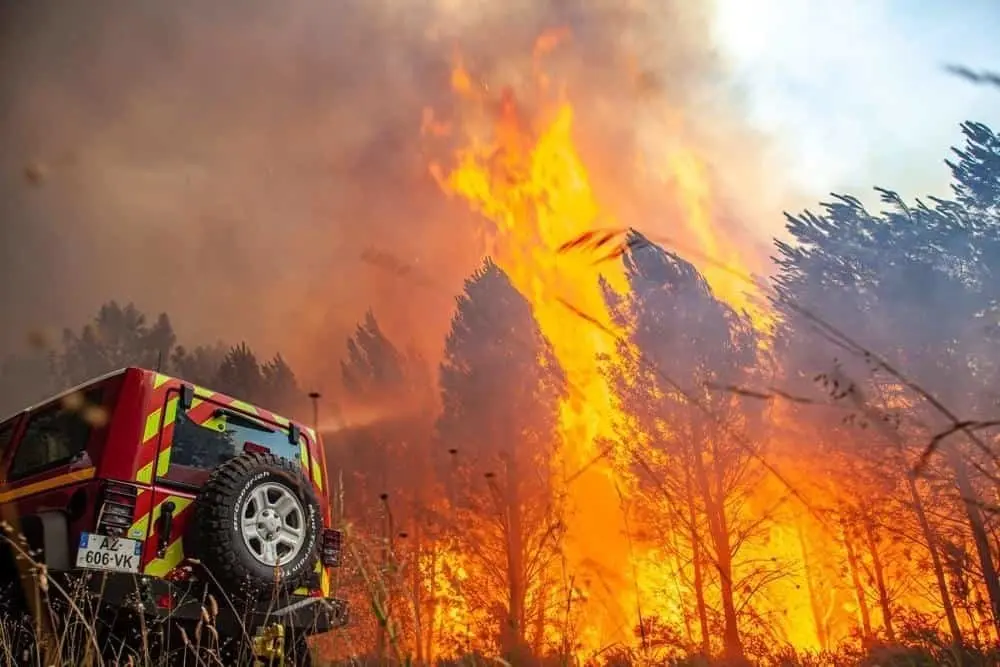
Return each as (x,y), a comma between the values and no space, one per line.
(113,554)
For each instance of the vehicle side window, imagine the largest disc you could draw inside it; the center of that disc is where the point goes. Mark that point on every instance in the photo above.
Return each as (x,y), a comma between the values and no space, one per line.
(53,437)
(6,435)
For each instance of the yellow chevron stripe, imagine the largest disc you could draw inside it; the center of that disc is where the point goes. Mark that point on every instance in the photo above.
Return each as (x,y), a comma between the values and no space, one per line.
(170,415)
(162,462)
(159,380)
(145,474)
(142,523)
(215,423)
(243,405)
(48,484)
(152,425)
(317,475)
(153,421)
(304,455)
(174,554)
(281,421)
(172,557)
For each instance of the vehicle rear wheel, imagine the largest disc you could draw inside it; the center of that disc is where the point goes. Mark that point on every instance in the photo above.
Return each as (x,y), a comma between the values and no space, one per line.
(258,526)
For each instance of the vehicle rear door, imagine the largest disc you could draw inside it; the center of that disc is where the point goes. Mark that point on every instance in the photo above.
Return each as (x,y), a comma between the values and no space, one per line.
(175,486)
(193,441)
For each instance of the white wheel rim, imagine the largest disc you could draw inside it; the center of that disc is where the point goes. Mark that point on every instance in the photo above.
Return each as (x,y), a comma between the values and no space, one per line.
(272,522)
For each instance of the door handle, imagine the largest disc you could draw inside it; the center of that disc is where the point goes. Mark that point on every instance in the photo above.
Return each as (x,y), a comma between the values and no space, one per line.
(166,524)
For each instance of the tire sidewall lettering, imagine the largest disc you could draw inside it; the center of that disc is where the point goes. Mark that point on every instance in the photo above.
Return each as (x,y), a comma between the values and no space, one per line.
(305,557)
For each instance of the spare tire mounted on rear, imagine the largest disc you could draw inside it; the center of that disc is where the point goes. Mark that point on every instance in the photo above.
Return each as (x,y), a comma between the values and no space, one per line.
(257,525)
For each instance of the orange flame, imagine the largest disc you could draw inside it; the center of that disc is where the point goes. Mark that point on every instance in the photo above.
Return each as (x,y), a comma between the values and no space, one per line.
(536,192)
(528,182)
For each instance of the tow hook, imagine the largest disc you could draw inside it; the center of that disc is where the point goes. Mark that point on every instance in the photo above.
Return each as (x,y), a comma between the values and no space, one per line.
(269,646)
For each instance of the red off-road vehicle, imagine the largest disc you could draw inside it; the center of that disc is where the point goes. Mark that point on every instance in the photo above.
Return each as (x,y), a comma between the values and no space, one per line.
(157,494)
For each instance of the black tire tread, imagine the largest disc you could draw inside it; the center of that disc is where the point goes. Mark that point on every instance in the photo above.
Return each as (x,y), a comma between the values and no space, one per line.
(213,518)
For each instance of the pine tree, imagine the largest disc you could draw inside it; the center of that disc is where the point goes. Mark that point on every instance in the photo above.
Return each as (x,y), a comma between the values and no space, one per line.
(240,375)
(280,389)
(200,364)
(388,456)
(501,386)
(915,284)
(699,459)
(118,336)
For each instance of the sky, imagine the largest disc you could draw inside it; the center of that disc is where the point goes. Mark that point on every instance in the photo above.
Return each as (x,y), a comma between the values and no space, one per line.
(857,88)
(209,135)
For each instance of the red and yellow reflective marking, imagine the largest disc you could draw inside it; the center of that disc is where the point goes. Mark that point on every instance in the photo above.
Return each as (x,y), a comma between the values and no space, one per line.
(146,525)
(154,461)
(48,484)
(157,421)
(324,582)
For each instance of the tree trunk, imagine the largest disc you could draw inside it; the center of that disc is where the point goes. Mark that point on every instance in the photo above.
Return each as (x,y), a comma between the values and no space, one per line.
(432,607)
(513,632)
(976,523)
(883,592)
(932,548)
(539,639)
(859,591)
(719,530)
(814,603)
(697,564)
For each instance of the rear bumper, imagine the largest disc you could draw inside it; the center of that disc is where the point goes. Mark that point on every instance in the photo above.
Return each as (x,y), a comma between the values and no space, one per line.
(190,602)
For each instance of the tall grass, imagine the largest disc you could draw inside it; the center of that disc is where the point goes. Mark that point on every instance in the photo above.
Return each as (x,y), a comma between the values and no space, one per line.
(70,629)
(57,621)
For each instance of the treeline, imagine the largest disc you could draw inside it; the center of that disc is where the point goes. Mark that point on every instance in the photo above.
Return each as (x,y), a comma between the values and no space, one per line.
(863,433)
(849,462)
(122,335)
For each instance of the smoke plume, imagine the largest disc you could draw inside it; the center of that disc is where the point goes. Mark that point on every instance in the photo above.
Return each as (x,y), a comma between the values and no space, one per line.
(233,162)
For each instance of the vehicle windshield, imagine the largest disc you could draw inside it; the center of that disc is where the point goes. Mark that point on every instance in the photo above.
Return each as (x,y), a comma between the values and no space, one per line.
(226,435)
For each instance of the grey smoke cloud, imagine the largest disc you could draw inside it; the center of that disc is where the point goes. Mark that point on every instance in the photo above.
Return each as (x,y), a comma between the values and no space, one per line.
(229,162)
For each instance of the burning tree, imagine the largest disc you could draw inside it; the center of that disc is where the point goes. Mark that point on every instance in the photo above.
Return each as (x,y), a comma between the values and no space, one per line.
(693,449)
(391,489)
(501,386)
(914,288)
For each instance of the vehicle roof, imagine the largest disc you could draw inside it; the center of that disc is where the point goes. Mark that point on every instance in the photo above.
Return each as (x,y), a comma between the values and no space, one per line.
(72,390)
(122,371)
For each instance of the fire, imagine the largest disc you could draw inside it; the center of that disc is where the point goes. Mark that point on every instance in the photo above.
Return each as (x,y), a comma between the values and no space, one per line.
(719,261)
(526,178)
(532,185)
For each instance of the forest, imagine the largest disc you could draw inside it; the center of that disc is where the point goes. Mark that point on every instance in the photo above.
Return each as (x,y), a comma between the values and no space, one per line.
(823,490)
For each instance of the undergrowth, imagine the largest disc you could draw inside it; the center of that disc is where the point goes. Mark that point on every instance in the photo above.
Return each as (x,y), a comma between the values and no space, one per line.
(69,629)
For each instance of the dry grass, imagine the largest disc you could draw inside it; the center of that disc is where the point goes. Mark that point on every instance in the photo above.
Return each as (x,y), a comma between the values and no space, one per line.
(59,622)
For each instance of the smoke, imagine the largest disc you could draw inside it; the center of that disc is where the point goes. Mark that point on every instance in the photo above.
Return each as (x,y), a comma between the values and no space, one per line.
(231,163)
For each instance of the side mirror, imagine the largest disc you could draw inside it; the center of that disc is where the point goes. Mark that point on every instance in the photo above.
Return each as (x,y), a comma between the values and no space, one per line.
(187,397)
(294,433)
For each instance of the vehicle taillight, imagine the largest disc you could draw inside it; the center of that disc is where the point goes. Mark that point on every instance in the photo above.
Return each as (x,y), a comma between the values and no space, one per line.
(330,553)
(117,509)
(254,448)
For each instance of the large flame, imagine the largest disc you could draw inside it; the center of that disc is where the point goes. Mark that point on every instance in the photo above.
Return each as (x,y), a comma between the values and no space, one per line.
(526,178)
(529,181)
